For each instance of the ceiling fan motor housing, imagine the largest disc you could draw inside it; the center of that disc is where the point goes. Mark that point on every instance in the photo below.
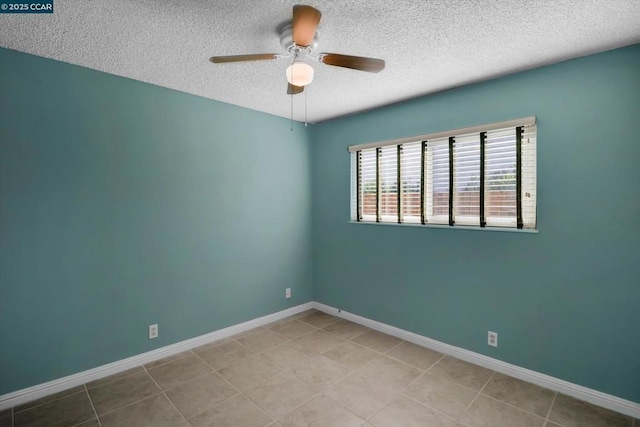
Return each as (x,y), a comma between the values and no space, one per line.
(286,37)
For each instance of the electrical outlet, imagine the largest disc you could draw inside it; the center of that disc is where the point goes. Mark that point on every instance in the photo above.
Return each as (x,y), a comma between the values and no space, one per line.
(492,339)
(153,331)
(287,293)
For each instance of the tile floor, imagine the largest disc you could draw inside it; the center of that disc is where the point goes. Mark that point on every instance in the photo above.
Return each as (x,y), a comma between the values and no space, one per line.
(312,369)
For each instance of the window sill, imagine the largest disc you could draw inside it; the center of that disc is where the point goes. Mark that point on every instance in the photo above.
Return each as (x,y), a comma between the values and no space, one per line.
(457,227)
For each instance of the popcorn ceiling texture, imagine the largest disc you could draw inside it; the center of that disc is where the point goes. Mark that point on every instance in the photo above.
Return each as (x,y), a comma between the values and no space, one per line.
(428,46)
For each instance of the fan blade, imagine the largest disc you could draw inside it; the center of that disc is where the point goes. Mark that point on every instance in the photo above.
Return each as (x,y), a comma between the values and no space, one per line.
(241,58)
(305,22)
(371,65)
(294,90)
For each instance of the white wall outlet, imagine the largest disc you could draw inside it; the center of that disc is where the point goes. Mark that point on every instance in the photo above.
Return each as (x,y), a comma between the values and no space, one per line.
(287,293)
(492,339)
(153,331)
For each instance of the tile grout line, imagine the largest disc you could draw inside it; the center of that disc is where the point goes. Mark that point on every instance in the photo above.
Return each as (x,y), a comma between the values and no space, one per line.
(131,404)
(358,370)
(353,337)
(344,406)
(426,372)
(349,339)
(267,412)
(194,379)
(13,412)
(503,402)
(221,376)
(478,393)
(216,404)
(407,363)
(373,349)
(183,353)
(211,407)
(197,354)
(138,371)
(318,393)
(239,392)
(308,333)
(553,401)
(86,390)
(513,406)
(44,403)
(476,396)
(270,331)
(361,333)
(185,382)
(386,353)
(342,364)
(422,372)
(320,327)
(434,364)
(372,416)
(429,407)
(246,396)
(280,335)
(216,343)
(164,394)
(365,347)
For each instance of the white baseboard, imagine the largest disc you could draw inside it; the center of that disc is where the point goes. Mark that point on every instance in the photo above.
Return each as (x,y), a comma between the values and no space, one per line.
(604,400)
(45,389)
(579,392)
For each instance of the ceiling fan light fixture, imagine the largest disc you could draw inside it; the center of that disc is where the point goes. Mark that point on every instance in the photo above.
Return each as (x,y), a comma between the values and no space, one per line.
(300,73)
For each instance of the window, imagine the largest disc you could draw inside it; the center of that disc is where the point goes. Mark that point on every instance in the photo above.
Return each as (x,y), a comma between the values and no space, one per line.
(483,176)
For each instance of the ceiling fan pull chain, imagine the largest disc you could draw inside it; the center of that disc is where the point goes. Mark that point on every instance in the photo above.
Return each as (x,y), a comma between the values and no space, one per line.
(305,109)
(292,62)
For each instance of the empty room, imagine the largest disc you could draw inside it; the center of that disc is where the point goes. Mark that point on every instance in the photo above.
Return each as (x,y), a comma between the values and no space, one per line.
(359,213)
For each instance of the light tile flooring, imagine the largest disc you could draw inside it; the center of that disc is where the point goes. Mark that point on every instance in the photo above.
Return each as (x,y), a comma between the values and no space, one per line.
(312,369)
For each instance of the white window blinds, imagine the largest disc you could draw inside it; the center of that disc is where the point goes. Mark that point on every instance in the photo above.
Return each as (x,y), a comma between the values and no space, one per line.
(436,187)
(480,176)
(466,179)
(367,185)
(500,178)
(410,160)
(388,183)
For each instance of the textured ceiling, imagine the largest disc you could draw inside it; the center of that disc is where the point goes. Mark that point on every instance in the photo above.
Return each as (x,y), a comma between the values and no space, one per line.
(428,46)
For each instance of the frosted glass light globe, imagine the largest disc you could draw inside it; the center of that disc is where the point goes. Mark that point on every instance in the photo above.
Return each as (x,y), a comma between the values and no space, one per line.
(300,74)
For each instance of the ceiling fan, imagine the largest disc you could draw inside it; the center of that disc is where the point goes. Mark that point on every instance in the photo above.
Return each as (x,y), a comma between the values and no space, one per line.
(299,38)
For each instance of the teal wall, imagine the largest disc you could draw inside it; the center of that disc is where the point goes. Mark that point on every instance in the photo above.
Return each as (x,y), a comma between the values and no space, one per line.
(566,301)
(124,204)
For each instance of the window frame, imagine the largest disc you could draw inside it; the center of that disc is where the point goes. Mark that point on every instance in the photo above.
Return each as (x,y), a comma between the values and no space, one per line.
(522,127)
